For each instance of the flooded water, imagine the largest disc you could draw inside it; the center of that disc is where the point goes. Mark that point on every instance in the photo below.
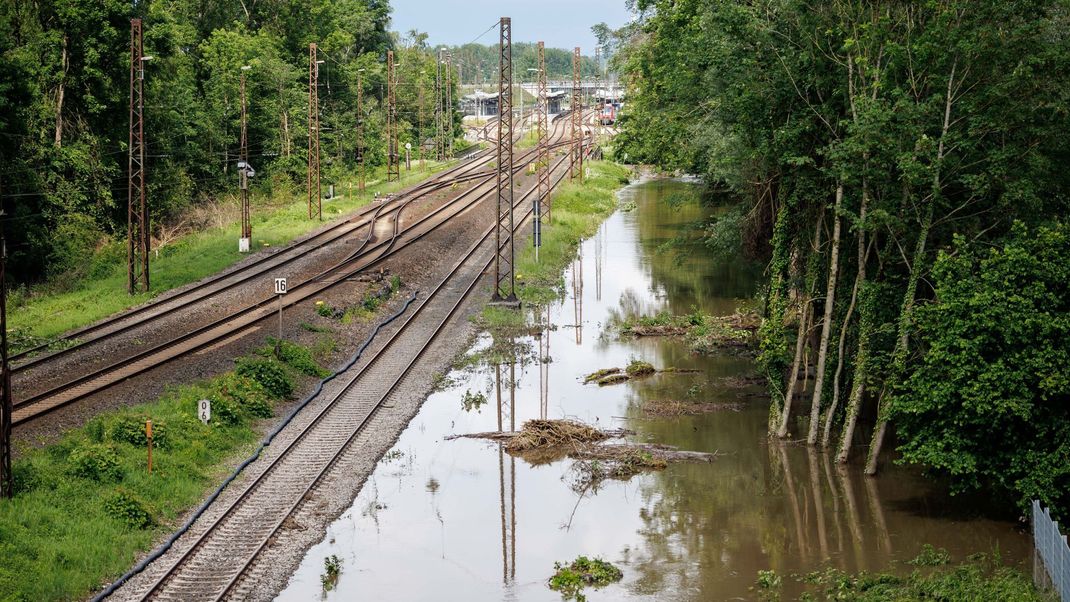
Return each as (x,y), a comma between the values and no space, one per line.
(460,519)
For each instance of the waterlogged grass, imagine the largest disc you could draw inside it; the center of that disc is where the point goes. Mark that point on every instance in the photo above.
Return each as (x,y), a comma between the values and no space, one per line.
(577,211)
(86,507)
(571,579)
(980,577)
(43,313)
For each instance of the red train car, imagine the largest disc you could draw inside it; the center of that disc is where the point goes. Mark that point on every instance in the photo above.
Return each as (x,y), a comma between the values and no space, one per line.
(608,114)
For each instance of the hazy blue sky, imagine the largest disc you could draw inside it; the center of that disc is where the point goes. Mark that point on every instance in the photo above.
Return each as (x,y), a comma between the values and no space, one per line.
(559,23)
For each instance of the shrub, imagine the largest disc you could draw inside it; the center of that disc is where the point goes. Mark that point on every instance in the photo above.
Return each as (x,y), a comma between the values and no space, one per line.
(572,578)
(269,374)
(297,357)
(94,461)
(242,393)
(131,429)
(128,508)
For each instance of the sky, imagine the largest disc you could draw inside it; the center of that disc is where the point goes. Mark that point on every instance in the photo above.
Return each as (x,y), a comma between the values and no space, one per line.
(559,23)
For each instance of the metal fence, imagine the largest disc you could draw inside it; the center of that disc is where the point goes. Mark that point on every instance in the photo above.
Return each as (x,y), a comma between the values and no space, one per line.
(1052,552)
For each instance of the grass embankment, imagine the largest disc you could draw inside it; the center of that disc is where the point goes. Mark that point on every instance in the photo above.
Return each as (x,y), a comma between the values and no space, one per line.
(41,314)
(86,507)
(980,577)
(577,211)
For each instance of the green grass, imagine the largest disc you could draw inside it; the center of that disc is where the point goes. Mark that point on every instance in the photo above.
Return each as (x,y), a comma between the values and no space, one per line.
(86,507)
(578,209)
(44,313)
(980,577)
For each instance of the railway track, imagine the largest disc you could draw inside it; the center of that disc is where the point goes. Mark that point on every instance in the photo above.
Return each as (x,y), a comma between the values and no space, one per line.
(221,560)
(366,256)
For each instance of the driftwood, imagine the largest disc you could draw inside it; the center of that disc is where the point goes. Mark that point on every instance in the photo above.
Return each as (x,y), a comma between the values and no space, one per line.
(664,453)
(505,436)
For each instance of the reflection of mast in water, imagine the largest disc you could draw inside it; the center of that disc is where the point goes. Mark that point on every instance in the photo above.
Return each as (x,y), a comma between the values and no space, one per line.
(508,504)
(544,368)
(577,295)
(599,258)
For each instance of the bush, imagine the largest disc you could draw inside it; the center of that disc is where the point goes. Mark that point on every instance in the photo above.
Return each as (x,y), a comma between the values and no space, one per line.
(128,508)
(297,357)
(240,394)
(131,429)
(95,461)
(269,374)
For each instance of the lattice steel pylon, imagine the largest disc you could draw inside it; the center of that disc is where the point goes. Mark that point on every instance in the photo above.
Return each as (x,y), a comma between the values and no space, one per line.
(542,163)
(504,276)
(360,132)
(448,113)
(137,213)
(7,481)
(440,148)
(243,174)
(575,163)
(597,88)
(393,159)
(315,191)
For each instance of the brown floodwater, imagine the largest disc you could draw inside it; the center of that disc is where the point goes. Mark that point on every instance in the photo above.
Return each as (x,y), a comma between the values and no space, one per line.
(460,519)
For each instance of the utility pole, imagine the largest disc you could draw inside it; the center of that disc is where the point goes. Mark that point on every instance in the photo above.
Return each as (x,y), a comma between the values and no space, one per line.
(575,170)
(597,87)
(504,292)
(137,213)
(448,140)
(420,120)
(440,147)
(360,130)
(393,168)
(542,164)
(7,482)
(243,174)
(315,191)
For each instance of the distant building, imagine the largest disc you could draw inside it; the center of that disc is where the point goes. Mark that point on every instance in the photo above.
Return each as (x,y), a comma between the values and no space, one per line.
(480,104)
(553,99)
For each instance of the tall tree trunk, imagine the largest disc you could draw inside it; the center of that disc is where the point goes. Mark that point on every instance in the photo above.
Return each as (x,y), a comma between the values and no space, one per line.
(858,388)
(830,413)
(865,325)
(899,354)
(805,317)
(826,324)
(65,62)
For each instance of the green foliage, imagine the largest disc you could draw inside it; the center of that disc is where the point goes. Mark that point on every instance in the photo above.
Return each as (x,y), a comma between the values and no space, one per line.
(239,395)
(995,367)
(571,579)
(981,577)
(95,461)
(125,506)
(127,428)
(332,568)
(268,373)
(295,356)
(69,525)
(473,401)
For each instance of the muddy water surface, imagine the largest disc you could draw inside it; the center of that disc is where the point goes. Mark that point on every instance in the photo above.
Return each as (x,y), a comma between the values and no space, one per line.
(460,519)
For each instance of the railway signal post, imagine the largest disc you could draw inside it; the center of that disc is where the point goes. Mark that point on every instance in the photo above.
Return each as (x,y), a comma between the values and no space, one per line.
(137,214)
(504,276)
(393,167)
(280,290)
(7,483)
(244,171)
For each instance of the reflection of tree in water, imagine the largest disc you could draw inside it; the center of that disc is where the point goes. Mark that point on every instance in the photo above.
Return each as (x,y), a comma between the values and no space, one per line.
(692,278)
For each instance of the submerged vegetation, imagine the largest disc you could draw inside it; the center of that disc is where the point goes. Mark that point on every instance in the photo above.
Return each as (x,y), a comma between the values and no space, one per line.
(86,506)
(570,579)
(704,333)
(980,577)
